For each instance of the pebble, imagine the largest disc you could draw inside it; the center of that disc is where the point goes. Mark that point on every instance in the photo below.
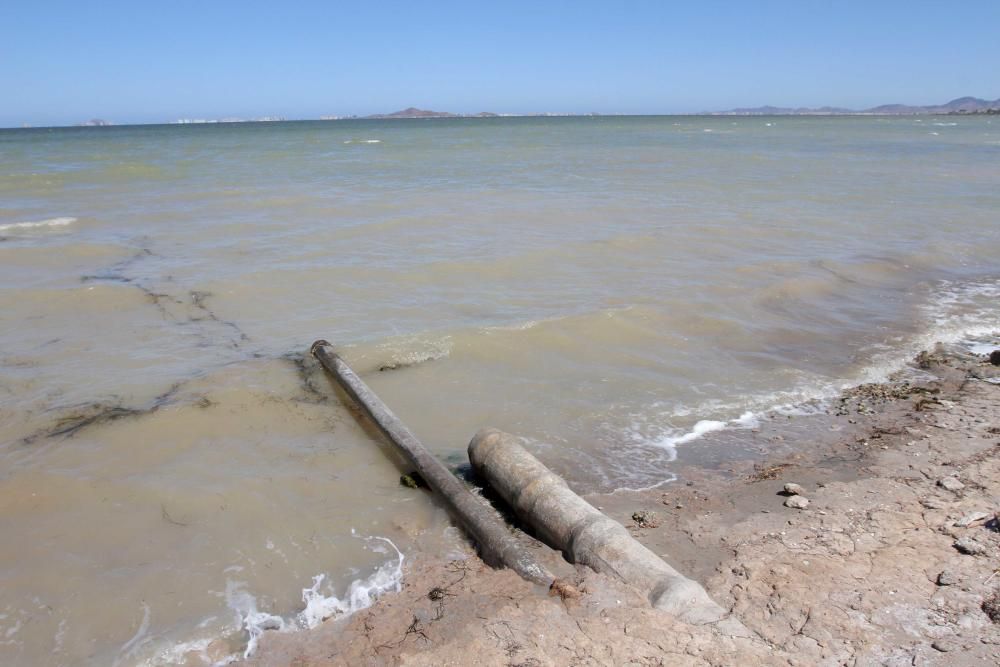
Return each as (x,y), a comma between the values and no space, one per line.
(950,484)
(797,502)
(947,578)
(943,646)
(995,357)
(969,546)
(971,518)
(794,489)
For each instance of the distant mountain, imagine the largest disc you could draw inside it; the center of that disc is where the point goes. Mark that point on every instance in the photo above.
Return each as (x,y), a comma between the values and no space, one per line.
(783,111)
(413,112)
(961,105)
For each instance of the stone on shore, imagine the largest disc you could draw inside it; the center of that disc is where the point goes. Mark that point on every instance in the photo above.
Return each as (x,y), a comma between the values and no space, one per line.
(969,546)
(971,518)
(797,502)
(947,578)
(794,489)
(950,484)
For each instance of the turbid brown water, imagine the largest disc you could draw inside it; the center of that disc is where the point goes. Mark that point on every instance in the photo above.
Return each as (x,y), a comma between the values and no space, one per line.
(175,469)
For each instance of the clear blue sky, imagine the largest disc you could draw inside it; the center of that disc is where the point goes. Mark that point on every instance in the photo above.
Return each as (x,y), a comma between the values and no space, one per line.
(64,62)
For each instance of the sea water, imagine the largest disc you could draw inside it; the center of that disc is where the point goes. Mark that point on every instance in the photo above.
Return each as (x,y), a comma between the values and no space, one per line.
(173,467)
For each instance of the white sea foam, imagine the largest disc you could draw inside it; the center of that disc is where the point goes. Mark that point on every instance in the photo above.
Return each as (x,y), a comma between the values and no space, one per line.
(39,224)
(747,420)
(957,313)
(413,350)
(982,347)
(183,653)
(318,606)
(140,638)
(249,617)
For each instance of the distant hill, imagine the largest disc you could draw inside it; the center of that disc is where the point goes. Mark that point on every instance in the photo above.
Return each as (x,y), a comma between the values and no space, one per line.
(413,112)
(961,105)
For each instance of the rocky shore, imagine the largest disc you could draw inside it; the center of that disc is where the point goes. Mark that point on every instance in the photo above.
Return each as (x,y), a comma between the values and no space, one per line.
(865,536)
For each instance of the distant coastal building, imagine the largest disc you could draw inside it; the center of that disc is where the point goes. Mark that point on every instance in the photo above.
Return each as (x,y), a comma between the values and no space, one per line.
(201,121)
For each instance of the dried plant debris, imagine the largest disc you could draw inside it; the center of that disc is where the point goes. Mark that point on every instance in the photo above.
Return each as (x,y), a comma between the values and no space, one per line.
(184,310)
(762,472)
(309,373)
(80,417)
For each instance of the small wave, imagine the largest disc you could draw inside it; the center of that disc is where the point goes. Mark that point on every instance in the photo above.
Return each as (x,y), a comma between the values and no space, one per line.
(746,420)
(363,141)
(980,347)
(411,351)
(318,607)
(956,313)
(140,638)
(185,652)
(51,222)
(945,124)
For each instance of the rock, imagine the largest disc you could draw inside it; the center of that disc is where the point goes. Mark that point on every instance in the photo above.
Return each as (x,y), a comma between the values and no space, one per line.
(797,502)
(969,546)
(950,484)
(794,489)
(971,518)
(645,519)
(218,651)
(947,578)
(933,503)
(995,357)
(991,605)
(943,645)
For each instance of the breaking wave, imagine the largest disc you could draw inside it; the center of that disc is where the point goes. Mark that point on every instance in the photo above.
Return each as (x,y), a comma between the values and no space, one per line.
(319,606)
(51,222)
(957,313)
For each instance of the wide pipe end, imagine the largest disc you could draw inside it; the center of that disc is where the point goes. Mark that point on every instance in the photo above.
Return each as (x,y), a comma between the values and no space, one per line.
(482,443)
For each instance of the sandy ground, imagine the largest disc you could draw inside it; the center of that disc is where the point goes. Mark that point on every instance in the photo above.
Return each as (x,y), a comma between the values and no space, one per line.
(895,560)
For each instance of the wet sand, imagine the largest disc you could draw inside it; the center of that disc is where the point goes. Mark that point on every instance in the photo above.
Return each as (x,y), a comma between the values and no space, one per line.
(891,563)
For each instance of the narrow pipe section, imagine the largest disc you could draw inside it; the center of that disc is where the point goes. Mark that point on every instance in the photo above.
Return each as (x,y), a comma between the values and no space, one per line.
(496,544)
(583,533)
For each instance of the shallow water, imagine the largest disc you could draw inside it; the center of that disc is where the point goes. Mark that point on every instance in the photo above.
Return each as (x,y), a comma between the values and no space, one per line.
(609,288)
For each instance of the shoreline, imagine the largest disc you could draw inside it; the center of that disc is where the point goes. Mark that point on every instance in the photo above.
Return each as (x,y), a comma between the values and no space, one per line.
(875,570)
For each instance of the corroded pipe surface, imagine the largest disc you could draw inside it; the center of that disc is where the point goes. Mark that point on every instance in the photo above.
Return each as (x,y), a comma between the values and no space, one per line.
(582,532)
(496,544)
